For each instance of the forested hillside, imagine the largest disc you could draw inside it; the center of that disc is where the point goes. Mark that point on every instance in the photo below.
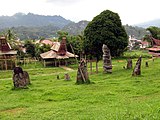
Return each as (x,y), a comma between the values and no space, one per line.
(75,28)
(138,32)
(32,20)
(23,33)
(32,26)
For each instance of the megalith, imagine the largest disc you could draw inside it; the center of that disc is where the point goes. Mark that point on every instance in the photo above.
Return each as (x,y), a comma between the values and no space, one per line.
(82,73)
(107,63)
(137,68)
(20,78)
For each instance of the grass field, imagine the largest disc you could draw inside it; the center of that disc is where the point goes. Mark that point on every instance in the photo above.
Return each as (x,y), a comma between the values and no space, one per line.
(116,96)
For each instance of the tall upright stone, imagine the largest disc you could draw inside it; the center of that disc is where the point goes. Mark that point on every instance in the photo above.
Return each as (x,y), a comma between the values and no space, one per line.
(20,78)
(107,63)
(137,68)
(82,73)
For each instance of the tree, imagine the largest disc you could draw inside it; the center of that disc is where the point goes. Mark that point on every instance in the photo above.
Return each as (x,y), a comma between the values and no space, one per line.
(77,43)
(30,48)
(41,49)
(105,28)
(155,31)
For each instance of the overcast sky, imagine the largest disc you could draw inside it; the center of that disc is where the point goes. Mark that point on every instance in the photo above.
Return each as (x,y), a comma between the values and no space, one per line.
(130,11)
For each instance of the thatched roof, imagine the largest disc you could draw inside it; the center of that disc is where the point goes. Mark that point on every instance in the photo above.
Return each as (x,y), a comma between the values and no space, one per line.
(53,55)
(11,52)
(55,46)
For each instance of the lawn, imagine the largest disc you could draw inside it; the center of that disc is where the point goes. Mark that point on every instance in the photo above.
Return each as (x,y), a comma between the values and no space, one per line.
(116,96)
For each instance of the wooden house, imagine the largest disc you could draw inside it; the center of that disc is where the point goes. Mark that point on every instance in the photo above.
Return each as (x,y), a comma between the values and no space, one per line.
(155,49)
(7,55)
(58,55)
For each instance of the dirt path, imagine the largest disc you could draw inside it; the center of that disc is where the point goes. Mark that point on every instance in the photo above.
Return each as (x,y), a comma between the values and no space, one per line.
(66,68)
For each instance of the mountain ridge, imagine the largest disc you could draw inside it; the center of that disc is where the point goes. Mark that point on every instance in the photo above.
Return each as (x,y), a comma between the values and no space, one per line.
(32,20)
(155,22)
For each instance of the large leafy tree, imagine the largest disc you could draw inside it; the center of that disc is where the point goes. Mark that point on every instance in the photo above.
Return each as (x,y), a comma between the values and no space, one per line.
(155,31)
(105,28)
(30,48)
(76,42)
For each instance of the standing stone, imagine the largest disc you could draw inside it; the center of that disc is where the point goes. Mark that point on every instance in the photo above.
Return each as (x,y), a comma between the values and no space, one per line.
(26,77)
(129,64)
(67,77)
(137,69)
(147,64)
(82,73)
(57,77)
(20,78)
(107,63)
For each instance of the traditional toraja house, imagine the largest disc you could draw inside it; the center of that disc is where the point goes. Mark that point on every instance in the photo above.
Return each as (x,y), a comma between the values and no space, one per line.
(7,55)
(58,55)
(155,49)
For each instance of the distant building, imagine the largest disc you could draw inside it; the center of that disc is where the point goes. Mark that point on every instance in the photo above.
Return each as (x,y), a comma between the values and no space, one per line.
(155,49)
(58,55)
(46,42)
(133,42)
(7,55)
(144,44)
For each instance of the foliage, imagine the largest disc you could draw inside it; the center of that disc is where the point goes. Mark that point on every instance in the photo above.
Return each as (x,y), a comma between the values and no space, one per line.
(116,96)
(30,48)
(62,34)
(76,42)
(30,32)
(155,31)
(105,28)
(41,49)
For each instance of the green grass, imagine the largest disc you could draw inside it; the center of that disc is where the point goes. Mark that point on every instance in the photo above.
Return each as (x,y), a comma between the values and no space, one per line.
(116,96)
(136,54)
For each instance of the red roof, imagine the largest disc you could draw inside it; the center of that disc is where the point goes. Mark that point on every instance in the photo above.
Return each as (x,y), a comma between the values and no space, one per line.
(145,43)
(47,42)
(155,41)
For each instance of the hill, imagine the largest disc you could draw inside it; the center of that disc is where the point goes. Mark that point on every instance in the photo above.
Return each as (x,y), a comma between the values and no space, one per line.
(32,20)
(24,33)
(155,22)
(76,28)
(32,26)
(138,32)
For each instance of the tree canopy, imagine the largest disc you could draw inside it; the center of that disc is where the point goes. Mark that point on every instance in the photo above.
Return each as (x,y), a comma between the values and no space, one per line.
(105,28)
(155,31)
